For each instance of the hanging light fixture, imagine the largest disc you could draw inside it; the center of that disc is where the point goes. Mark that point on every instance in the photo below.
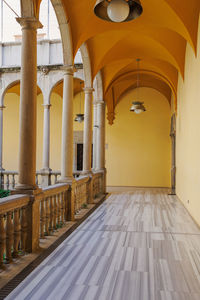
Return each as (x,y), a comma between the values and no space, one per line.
(118,10)
(137,106)
(79,117)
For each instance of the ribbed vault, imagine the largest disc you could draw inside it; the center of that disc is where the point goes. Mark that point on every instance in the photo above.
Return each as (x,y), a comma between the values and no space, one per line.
(159,38)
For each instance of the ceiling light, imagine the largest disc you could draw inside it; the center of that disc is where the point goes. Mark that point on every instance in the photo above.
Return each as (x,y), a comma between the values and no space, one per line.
(137,106)
(118,10)
(79,118)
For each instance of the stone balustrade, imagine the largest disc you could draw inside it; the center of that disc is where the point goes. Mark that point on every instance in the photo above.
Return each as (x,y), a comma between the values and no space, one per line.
(24,219)
(8,179)
(13,227)
(53,209)
(81,193)
(98,182)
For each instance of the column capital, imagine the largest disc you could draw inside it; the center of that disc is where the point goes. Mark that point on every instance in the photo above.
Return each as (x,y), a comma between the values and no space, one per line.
(2,107)
(46,106)
(100,102)
(88,90)
(69,69)
(29,23)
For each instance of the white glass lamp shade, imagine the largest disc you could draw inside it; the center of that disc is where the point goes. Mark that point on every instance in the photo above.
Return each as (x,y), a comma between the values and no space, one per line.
(137,107)
(118,10)
(79,118)
(138,111)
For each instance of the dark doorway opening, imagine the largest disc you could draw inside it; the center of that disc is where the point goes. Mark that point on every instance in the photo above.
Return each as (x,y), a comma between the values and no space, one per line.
(80,157)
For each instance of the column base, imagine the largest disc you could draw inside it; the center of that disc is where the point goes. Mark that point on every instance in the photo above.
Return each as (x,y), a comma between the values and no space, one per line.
(45,171)
(46,176)
(70,196)
(68,180)
(85,172)
(26,189)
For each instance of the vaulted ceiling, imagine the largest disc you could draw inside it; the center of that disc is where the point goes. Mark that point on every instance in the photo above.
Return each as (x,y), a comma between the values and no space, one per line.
(158,37)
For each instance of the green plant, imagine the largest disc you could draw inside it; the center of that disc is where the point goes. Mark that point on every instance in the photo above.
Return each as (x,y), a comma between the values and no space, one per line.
(4,193)
(84,205)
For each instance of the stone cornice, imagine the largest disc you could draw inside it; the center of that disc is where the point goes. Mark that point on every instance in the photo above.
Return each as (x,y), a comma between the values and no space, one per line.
(39,68)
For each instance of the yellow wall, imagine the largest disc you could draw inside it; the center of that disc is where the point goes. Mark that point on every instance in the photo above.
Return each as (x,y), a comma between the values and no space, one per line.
(138,146)
(138,151)
(188,134)
(11,130)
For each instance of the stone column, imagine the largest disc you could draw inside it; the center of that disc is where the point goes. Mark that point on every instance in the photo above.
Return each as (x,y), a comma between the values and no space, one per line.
(28,101)
(173,153)
(94,134)
(1,137)
(67,139)
(67,127)
(100,163)
(46,136)
(87,135)
(46,179)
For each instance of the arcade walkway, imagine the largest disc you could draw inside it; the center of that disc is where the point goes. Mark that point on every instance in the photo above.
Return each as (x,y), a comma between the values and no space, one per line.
(140,245)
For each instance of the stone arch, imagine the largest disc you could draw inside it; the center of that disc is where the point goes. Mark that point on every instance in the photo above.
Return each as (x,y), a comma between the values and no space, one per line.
(98,87)
(58,78)
(7,81)
(86,65)
(30,9)
(65,31)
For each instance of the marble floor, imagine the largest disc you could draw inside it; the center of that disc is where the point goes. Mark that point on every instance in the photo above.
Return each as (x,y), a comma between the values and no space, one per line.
(139,245)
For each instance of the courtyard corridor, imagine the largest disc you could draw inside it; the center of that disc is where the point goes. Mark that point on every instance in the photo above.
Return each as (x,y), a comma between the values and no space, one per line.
(139,245)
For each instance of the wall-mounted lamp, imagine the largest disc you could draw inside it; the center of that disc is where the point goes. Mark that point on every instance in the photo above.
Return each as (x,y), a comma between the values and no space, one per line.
(118,10)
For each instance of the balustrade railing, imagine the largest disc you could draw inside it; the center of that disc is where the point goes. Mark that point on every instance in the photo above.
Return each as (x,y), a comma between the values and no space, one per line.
(53,209)
(13,227)
(24,219)
(8,179)
(97,184)
(81,192)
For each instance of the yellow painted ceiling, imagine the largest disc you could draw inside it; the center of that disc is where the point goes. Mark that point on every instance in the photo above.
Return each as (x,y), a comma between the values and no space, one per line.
(158,37)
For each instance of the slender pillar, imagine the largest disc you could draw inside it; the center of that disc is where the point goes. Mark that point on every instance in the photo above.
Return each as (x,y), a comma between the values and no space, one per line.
(94,135)
(46,171)
(173,167)
(1,137)
(100,164)
(28,101)
(74,157)
(87,135)
(67,127)
(46,137)
(173,154)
